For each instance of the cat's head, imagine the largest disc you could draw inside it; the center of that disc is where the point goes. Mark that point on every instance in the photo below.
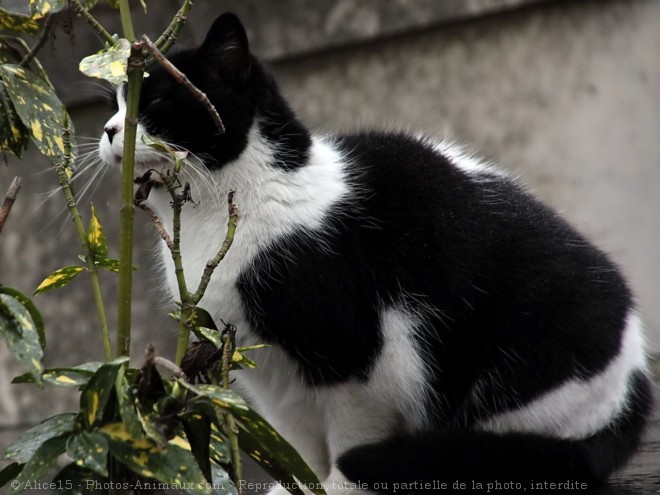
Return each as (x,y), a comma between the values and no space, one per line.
(234,81)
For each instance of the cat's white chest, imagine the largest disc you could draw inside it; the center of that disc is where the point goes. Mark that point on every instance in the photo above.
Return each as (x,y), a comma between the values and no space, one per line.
(272,203)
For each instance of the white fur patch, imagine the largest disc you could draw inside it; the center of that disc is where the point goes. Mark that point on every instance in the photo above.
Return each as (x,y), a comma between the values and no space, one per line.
(461,158)
(579,408)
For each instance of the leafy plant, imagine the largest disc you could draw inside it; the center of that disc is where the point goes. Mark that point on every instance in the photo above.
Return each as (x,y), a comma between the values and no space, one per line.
(177,422)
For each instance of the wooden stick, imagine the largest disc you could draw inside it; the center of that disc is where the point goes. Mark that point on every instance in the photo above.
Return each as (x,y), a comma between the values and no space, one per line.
(182,79)
(10,197)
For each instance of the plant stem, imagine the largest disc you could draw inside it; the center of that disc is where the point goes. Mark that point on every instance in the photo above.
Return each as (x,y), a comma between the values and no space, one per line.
(231,429)
(127,212)
(43,37)
(186,304)
(181,78)
(126,20)
(62,175)
(89,19)
(170,35)
(212,264)
(9,200)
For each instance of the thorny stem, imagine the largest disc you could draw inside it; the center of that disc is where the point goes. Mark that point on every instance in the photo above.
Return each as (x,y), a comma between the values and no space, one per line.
(170,35)
(127,211)
(231,430)
(212,264)
(9,200)
(62,175)
(181,78)
(43,37)
(89,19)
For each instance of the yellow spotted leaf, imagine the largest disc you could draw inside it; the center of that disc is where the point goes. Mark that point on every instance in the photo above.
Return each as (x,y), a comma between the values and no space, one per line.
(94,396)
(59,278)
(172,464)
(13,21)
(96,240)
(109,64)
(18,329)
(38,108)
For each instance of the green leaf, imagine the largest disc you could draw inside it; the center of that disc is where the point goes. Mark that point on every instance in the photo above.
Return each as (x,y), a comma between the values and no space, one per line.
(222,483)
(14,136)
(10,472)
(75,480)
(127,398)
(209,334)
(59,278)
(39,109)
(17,22)
(173,464)
(109,64)
(27,444)
(90,450)
(13,49)
(198,432)
(96,393)
(39,8)
(32,309)
(40,463)
(20,332)
(113,3)
(96,240)
(64,377)
(259,438)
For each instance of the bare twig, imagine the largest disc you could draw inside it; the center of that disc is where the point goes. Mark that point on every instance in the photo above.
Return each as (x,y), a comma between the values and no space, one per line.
(212,264)
(157,223)
(89,19)
(43,37)
(181,78)
(10,197)
(152,357)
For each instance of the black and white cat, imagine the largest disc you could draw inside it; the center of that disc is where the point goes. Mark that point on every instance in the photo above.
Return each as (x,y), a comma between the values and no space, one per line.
(429,319)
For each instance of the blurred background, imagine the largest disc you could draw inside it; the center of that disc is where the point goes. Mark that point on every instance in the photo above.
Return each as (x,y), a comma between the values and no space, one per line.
(564,94)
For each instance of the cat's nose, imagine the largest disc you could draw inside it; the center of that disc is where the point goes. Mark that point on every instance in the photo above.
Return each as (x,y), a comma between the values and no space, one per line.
(111,131)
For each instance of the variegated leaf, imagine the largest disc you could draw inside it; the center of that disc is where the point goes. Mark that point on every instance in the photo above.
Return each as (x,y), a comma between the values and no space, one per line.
(14,136)
(17,22)
(90,450)
(32,309)
(96,393)
(96,240)
(174,464)
(20,332)
(39,109)
(27,444)
(59,278)
(39,464)
(109,64)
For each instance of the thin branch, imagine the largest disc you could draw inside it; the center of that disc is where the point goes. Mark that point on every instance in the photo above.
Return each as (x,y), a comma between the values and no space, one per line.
(181,78)
(89,19)
(212,264)
(43,37)
(10,198)
(170,35)
(153,358)
(231,430)
(65,185)
(156,221)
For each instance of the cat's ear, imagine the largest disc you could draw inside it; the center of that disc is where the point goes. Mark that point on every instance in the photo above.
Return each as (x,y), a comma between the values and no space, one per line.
(226,47)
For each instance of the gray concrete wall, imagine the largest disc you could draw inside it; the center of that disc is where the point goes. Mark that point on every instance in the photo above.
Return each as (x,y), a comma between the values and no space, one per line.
(564,94)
